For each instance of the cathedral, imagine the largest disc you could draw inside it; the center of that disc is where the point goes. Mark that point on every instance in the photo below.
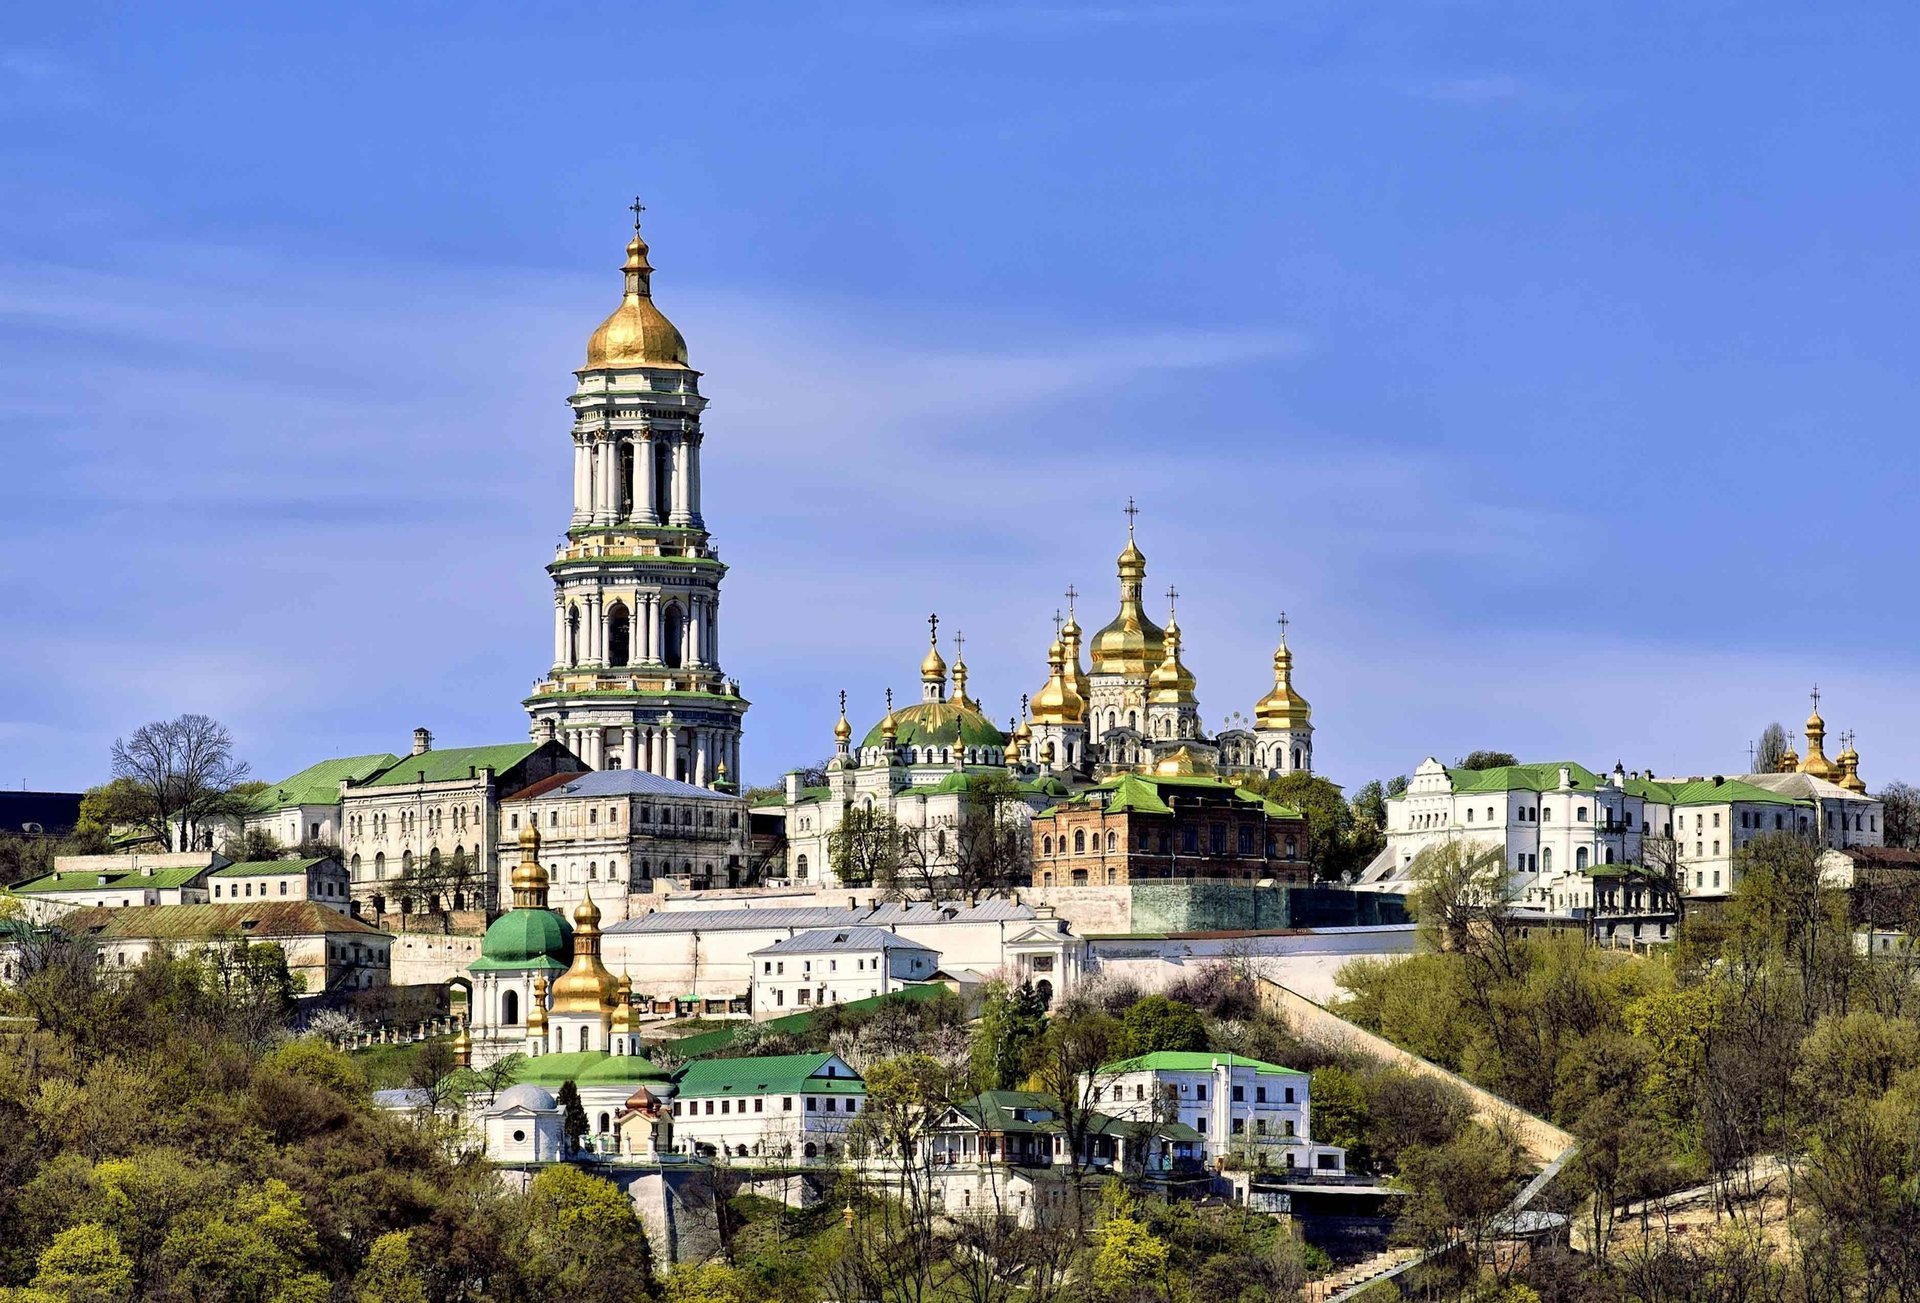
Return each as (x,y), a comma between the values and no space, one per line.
(1134,708)
(636,681)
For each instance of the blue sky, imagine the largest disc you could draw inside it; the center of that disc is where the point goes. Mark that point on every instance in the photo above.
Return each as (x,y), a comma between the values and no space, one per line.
(1551,365)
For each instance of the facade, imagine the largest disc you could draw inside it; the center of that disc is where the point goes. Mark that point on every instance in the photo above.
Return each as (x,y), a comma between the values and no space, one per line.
(118,882)
(419,835)
(304,809)
(1239,1107)
(836,966)
(790,1106)
(620,831)
(321,879)
(710,951)
(635,680)
(1168,825)
(326,951)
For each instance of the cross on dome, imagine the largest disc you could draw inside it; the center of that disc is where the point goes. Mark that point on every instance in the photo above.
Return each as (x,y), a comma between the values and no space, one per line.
(636,208)
(1132,511)
(1283,626)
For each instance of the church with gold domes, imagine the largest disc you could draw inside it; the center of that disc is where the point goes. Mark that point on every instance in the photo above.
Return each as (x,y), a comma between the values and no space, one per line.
(1134,706)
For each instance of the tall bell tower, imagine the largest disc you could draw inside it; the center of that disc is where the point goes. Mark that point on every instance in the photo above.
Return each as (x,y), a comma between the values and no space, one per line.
(636,681)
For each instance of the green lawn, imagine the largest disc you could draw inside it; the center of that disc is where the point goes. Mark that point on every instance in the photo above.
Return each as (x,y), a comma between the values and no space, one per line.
(387,1066)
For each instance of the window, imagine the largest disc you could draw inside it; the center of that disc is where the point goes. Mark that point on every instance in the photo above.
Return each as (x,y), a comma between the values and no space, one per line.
(1200,1090)
(1289,1098)
(1259,1094)
(1079,840)
(1581,814)
(1239,1094)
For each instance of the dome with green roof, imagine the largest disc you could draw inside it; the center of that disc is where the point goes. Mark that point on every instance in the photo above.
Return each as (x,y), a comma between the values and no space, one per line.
(526,938)
(936,724)
(590,1068)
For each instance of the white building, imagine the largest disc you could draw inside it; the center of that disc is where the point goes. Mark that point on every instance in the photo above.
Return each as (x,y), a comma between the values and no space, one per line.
(118,882)
(321,879)
(1258,1111)
(619,832)
(789,1106)
(304,808)
(524,1125)
(326,950)
(836,966)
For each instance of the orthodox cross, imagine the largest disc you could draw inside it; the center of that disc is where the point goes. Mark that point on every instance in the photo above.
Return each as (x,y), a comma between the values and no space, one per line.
(1132,511)
(636,208)
(933,628)
(1283,626)
(1751,762)
(1816,698)
(1173,595)
(1023,705)
(1072,593)
(1057,622)
(889,701)
(959,641)
(843,701)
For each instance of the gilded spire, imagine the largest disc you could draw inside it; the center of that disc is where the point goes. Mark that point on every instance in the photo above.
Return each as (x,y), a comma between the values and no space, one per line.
(1131,644)
(1849,762)
(933,669)
(1172,682)
(1282,708)
(586,987)
(960,697)
(529,880)
(638,333)
(842,731)
(1816,763)
(1010,756)
(1057,702)
(537,1009)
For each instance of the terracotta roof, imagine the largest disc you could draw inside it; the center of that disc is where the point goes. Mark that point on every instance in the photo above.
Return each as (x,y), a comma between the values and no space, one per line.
(290,918)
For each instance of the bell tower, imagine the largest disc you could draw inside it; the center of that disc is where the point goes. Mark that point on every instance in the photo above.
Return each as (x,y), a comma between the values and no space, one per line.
(636,681)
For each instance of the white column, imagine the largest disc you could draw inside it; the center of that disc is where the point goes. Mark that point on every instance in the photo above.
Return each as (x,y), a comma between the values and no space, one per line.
(643,478)
(630,747)
(695,649)
(693,480)
(590,619)
(656,620)
(700,757)
(604,495)
(559,627)
(680,514)
(582,476)
(713,630)
(670,762)
(650,745)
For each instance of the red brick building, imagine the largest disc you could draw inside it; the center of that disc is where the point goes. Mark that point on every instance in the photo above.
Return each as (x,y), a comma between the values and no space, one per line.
(1143,827)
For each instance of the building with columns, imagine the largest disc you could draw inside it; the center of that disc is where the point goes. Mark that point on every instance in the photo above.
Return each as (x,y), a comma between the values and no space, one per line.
(635,681)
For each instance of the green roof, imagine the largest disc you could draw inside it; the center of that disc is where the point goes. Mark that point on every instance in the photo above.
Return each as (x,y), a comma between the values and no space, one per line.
(1197,1061)
(89,880)
(319,784)
(589,1068)
(937,723)
(703,1043)
(777,1074)
(1706,792)
(995,1110)
(525,938)
(453,763)
(263,919)
(260,868)
(1152,794)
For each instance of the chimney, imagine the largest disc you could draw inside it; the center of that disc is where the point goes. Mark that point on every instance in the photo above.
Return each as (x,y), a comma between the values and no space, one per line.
(1566,777)
(793,786)
(545,730)
(422,741)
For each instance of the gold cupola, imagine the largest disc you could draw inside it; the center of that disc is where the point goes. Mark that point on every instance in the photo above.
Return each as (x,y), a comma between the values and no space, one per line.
(1816,763)
(1010,756)
(960,697)
(842,730)
(889,727)
(1131,644)
(638,333)
(537,1009)
(1849,762)
(586,987)
(529,880)
(1070,642)
(933,667)
(1172,682)
(1789,761)
(1282,708)
(1057,702)
(623,1005)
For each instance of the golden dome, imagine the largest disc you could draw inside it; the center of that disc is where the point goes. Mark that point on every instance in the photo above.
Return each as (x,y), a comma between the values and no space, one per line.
(529,880)
(637,334)
(1180,764)
(934,668)
(1849,762)
(1131,644)
(587,987)
(1011,755)
(537,1007)
(623,1010)
(1816,763)
(842,730)
(1282,708)
(1057,702)
(1789,760)
(1172,682)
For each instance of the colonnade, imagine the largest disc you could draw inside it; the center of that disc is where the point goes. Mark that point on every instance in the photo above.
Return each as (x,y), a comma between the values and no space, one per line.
(583,629)
(661,749)
(661,487)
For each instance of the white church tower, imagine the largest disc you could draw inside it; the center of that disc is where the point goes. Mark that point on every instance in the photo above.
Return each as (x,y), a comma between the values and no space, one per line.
(636,681)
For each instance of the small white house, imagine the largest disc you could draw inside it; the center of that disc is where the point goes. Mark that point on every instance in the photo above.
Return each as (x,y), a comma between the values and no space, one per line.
(835,966)
(525,1125)
(1240,1107)
(322,880)
(786,1106)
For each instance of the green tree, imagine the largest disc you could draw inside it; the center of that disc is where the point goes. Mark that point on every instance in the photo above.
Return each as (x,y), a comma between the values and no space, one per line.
(1489,760)
(710,1282)
(1769,750)
(388,1275)
(585,1241)
(85,1264)
(573,1114)
(1012,1020)
(864,848)
(1340,1114)
(1334,850)
(1156,1023)
(1900,815)
(1129,1262)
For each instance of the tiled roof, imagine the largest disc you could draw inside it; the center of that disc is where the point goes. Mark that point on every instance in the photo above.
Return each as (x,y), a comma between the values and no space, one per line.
(778,1074)
(453,763)
(617,782)
(260,868)
(319,784)
(831,940)
(280,918)
(1196,1061)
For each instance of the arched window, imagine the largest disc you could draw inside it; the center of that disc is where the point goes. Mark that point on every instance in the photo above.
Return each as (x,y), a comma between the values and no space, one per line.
(1296,757)
(573,636)
(606,1124)
(673,632)
(1293,848)
(509,1008)
(1580,858)
(1046,845)
(1110,840)
(800,867)
(619,635)
(593,871)
(356,867)
(586,1040)
(406,861)
(1546,859)
(1079,841)
(1133,719)
(1609,854)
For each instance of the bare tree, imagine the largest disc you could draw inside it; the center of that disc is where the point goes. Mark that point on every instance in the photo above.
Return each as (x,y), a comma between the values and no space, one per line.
(185,774)
(1900,815)
(1768,751)
(993,844)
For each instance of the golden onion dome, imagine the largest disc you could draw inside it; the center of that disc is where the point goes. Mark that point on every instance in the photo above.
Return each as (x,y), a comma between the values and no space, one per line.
(1010,756)
(933,669)
(1282,708)
(1171,683)
(1057,702)
(623,1008)
(1130,644)
(842,730)
(537,1007)
(529,880)
(1789,760)
(586,987)
(638,333)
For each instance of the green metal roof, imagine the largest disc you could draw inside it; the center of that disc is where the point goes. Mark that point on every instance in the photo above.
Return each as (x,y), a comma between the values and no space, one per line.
(777,1074)
(1197,1061)
(319,784)
(702,1043)
(589,1068)
(996,1110)
(1707,792)
(453,763)
(87,880)
(937,723)
(1151,794)
(261,868)
(525,938)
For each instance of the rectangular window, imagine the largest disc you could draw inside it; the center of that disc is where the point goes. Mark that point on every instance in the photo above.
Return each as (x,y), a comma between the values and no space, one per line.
(726,1107)
(1200,1125)
(758,1103)
(1288,1127)
(786,1104)
(1190,841)
(1259,1094)
(1716,818)
(813,1105)
(1239,1094)
(1239,1126)
(1200,1091)
(1289,1094)
(709,1108)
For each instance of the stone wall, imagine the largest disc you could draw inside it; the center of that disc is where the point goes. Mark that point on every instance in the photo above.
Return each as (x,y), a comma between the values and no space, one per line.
(431,958)
(1150,906)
